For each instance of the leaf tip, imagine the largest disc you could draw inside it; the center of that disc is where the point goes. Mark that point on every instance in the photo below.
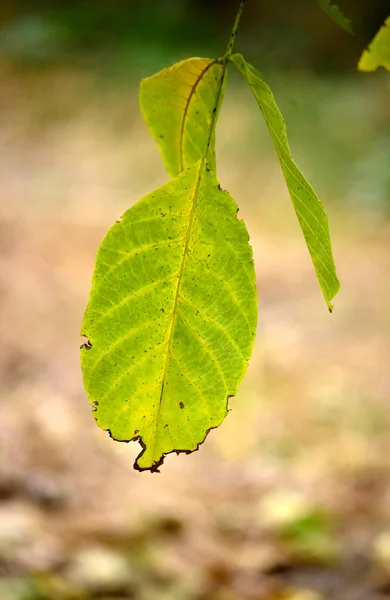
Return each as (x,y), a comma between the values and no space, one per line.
(155,466)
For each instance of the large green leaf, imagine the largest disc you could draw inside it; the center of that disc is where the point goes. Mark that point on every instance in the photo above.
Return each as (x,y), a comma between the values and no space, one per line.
(309,210)
(178,105)
(333,11)
(378,53)
(171,317)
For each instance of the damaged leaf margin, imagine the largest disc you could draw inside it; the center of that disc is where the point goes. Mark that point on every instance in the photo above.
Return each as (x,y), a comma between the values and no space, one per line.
(169,345)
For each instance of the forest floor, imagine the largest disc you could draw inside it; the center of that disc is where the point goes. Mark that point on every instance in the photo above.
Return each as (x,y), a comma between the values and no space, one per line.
(290,498)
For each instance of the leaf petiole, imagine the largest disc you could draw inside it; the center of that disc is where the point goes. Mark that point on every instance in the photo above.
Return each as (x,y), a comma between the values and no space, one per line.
(224,61)
(233,35)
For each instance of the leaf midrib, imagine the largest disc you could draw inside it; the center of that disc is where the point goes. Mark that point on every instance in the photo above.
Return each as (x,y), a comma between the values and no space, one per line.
(202,167)
(175,304)
(186,109)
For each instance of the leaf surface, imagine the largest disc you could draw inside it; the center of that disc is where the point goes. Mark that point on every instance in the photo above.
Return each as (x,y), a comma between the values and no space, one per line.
(177,104)
(378,53)
(333,11)
(171,317)
(309,209)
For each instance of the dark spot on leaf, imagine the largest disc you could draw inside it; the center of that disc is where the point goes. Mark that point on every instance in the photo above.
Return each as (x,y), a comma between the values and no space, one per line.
(87,344)
(181,404)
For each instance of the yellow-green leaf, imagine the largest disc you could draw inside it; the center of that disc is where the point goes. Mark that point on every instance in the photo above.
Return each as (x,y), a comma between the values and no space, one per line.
(171,317)
(309,210)
(177,104)
(378,53)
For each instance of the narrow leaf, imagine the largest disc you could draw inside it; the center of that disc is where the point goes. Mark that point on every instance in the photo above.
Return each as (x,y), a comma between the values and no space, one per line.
(378,53)
(171,317)
(333,11)
(177,104)
(309,210)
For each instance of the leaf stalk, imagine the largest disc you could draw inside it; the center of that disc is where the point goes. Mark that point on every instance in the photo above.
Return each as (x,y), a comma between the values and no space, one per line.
(225,61)
(233,35)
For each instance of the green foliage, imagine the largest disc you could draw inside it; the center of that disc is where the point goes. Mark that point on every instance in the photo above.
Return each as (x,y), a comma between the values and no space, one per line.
(309,210)
(177,104)
(172,316)
(378,53)
(333,11)
(172,312)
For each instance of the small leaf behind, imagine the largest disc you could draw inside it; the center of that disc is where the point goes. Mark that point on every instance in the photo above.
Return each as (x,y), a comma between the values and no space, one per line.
(309,210)
(378,53)
(177,104)
(171,317)
(333,11)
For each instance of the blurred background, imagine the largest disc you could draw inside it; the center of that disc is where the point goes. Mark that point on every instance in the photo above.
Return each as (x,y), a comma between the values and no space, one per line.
(290,498)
